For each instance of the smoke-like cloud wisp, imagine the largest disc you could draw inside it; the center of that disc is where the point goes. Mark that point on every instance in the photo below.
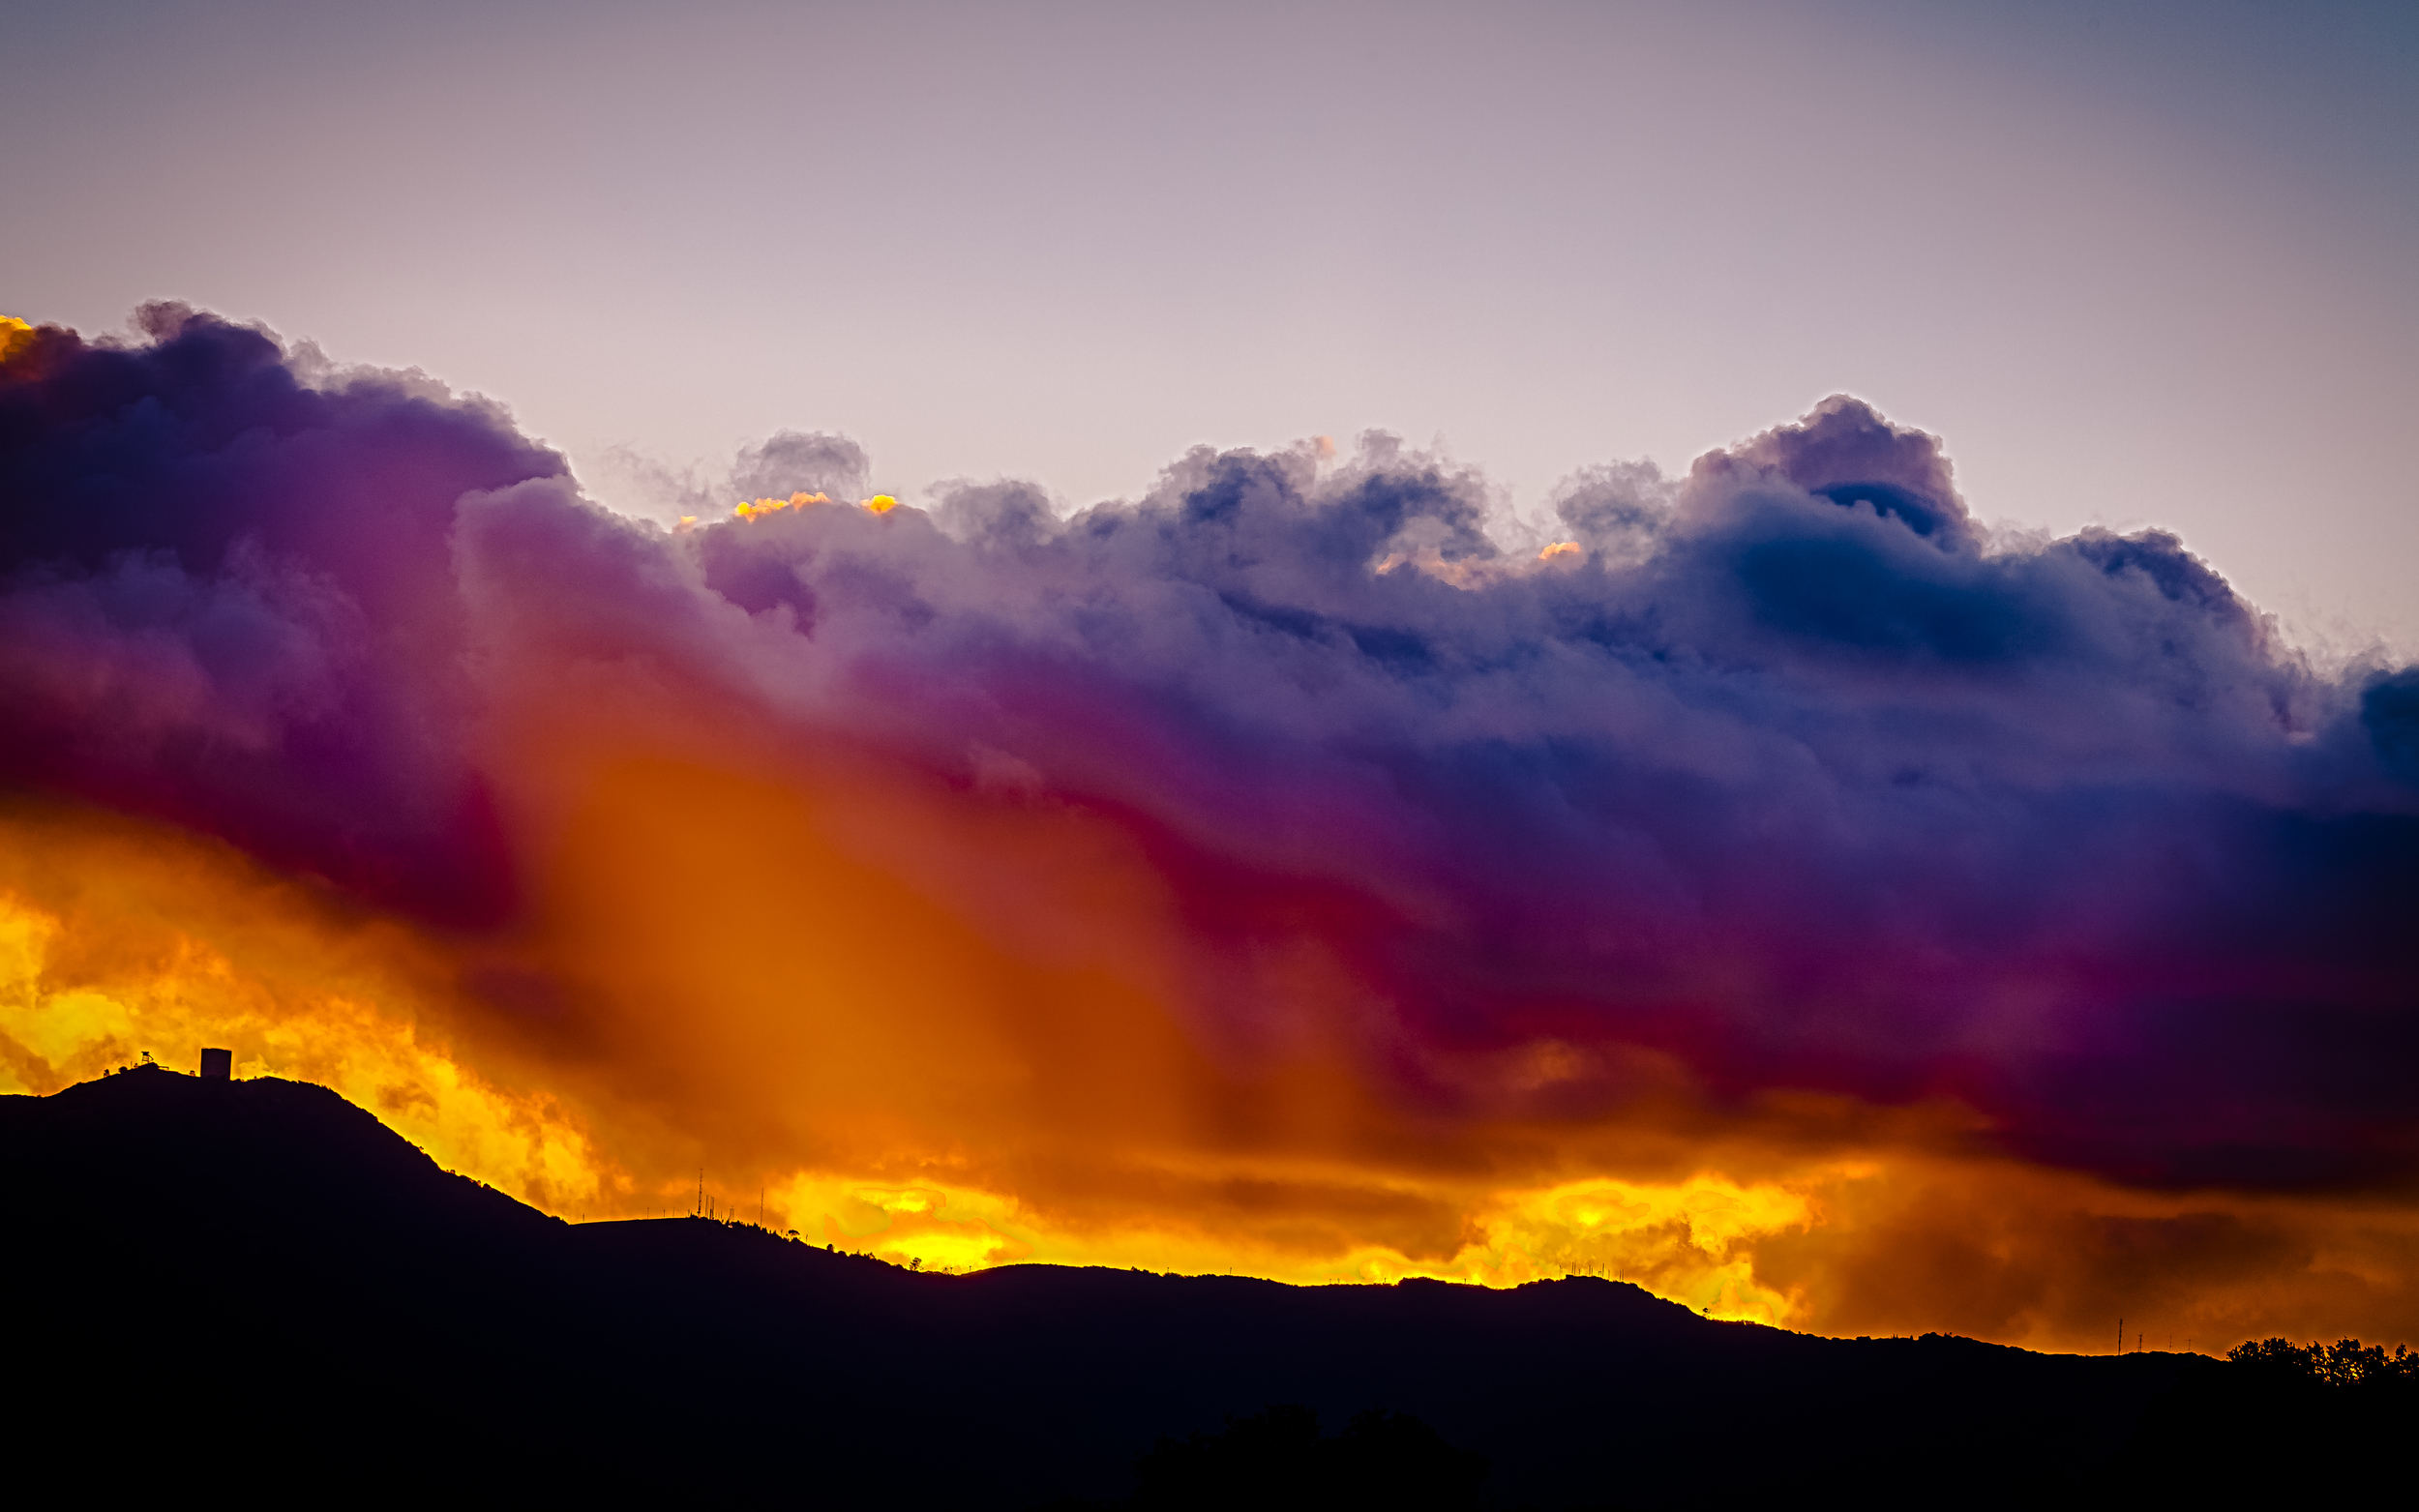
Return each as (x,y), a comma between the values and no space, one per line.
(1289,826)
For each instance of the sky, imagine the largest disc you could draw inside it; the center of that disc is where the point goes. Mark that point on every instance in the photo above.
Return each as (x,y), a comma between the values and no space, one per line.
(2142,264)
(1757,648)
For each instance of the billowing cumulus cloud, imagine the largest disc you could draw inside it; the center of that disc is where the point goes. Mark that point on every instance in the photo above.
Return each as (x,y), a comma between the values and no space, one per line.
(229,601)
(1306,815)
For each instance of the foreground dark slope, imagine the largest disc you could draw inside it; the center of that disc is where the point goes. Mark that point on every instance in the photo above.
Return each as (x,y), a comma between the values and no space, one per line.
(259,1272)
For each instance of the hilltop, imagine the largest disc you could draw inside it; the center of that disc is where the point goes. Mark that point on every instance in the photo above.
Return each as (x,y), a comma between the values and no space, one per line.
(260,1273)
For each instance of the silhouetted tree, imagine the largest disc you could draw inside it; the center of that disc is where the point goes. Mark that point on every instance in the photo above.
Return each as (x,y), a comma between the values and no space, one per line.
(2347,1362)
(2262,1423)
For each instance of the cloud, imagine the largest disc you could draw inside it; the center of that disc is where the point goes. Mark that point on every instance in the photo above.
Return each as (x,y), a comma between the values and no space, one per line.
(794,461)
(231,602)
(1792,789)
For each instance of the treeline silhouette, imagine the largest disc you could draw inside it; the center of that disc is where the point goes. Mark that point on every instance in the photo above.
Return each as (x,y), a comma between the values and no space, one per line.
(2279,1422)
(2347,1362)
(256,1280)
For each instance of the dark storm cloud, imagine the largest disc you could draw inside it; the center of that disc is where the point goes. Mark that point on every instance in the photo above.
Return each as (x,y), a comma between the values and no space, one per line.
(229,601)
(1790,776)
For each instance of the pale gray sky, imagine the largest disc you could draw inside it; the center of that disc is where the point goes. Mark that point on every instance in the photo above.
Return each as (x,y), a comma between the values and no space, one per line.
(2138,263)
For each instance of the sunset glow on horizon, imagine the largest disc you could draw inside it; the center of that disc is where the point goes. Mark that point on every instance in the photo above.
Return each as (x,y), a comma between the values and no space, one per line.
(1771,884)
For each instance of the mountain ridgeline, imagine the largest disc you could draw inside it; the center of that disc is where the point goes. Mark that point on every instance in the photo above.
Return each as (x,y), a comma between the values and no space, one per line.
(209,1276)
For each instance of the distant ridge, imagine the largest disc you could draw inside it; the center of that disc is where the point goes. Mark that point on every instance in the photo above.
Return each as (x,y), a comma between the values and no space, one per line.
(212,1275)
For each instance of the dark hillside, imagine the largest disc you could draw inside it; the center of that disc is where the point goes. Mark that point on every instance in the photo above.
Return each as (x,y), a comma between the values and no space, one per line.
(260,1274)
(260,1271)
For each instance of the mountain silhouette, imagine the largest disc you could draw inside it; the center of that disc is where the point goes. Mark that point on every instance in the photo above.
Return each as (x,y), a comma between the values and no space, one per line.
(216,1277)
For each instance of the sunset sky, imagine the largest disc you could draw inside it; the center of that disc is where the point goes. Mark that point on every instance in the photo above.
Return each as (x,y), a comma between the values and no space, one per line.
(1766,648)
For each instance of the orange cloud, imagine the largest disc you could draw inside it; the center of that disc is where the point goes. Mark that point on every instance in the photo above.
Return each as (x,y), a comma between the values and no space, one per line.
(755,509)
(13,334)
(776,973)
(118,940)
(758,509)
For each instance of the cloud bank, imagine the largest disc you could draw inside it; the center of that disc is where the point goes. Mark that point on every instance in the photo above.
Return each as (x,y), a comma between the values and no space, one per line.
(1779,796)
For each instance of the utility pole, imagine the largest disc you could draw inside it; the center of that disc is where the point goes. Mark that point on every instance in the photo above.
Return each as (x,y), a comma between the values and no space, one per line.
(2120,1336)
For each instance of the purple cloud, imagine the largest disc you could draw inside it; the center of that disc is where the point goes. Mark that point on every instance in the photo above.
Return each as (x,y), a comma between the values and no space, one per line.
(1793,774)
